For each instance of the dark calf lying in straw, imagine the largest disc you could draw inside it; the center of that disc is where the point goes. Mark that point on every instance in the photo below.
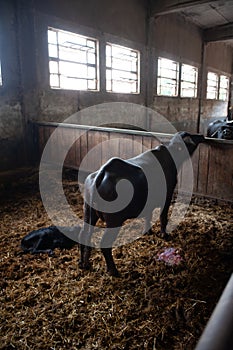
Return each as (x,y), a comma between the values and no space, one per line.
(45,240)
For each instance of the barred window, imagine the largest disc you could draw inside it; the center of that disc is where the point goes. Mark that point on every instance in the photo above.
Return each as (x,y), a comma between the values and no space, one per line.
(212,86)
(189,75)
(73,62)
(122,69)
(223,88)
(168,77)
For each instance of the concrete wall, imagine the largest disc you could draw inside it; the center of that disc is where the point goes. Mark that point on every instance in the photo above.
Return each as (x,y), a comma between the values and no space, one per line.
(26,95)
(218,58)
(91,18)
(174,38)
(12,125)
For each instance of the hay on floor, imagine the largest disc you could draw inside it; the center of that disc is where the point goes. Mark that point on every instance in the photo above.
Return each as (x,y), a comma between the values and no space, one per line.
(48,303)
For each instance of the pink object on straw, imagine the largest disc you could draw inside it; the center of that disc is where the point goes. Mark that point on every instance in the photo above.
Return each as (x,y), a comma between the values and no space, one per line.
(170,256)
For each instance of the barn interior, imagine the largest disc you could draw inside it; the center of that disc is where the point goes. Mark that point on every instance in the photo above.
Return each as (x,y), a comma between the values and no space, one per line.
(180,78)
(198,33)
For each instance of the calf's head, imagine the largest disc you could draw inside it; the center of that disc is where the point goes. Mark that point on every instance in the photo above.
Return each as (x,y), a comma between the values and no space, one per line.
(226,133)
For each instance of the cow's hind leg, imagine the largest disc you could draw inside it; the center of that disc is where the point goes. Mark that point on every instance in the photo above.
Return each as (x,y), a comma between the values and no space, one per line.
(164,219)
(90,219)
(108,239)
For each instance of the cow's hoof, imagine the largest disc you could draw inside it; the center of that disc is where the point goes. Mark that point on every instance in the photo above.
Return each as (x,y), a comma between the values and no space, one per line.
(84,266)
(149,232)
(165,236)
(114,273)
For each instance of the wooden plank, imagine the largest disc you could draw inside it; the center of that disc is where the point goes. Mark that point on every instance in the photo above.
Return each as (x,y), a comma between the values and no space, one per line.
(126,147)
(221,174)
(155,142)
(212,162)
(83,152)
(186,177)
(68,141)
(146,143)
(53,142)
(203,169)
(94,157)
(46,136)
(195,164)
(105,142)
(211,170)
(77,146)
(56,145)
(226,176)
(137,145)
(114,145)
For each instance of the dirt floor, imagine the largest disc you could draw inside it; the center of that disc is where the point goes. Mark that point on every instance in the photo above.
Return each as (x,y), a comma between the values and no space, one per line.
(49,303)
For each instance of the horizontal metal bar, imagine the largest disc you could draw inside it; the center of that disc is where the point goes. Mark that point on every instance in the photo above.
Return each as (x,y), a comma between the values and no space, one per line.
(102,128)
(124,131)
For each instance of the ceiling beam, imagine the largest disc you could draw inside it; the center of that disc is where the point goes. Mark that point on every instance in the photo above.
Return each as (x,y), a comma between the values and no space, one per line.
(164,7)
(219,33)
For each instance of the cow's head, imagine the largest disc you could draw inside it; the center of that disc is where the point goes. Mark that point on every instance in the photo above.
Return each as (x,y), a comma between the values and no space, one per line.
(191,141)
(183,144)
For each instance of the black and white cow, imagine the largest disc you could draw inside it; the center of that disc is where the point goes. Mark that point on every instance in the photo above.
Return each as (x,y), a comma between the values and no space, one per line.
(220,129)
(45,240)
(152,174)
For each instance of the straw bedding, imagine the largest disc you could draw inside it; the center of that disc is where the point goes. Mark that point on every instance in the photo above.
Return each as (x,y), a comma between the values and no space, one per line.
(48,303)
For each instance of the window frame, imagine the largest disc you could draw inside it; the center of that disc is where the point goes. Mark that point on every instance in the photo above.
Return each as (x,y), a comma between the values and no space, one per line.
(110,70)
(219,88)
(188,81)
(215,87)
(227,89)
(178,79)
(62,63)
(160,77)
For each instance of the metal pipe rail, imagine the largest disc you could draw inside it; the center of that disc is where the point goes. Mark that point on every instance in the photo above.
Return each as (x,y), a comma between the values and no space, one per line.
(218,334)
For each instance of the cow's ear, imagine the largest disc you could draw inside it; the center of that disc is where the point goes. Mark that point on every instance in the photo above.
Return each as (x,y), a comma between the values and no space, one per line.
(189,140)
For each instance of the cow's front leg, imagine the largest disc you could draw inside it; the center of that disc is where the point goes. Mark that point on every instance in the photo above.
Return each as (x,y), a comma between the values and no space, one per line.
(108,239)
(85,253)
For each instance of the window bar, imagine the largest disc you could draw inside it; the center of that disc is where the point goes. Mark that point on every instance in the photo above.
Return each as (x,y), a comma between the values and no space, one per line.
(111,69)
(58,61)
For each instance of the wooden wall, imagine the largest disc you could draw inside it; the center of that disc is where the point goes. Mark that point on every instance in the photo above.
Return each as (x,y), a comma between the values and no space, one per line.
(212,161)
